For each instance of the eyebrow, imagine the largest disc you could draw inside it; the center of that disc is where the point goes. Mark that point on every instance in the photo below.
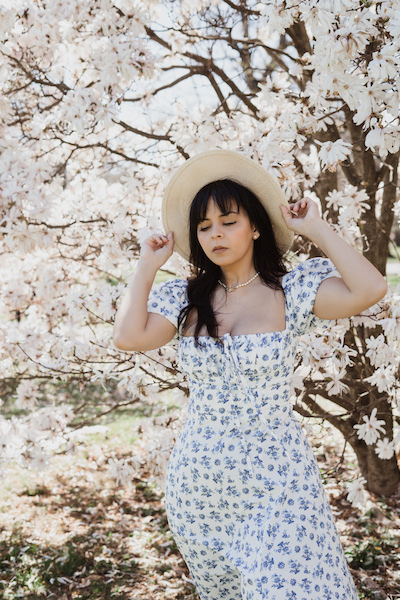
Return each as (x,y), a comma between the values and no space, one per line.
(231,212)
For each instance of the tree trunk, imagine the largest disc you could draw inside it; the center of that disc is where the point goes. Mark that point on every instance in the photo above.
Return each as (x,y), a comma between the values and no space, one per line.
(382,476)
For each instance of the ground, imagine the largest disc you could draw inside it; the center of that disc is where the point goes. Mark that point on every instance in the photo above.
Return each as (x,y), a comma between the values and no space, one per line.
(71,534)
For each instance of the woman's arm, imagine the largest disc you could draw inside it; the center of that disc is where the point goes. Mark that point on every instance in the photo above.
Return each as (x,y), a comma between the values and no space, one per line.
(361,285)
(135,329)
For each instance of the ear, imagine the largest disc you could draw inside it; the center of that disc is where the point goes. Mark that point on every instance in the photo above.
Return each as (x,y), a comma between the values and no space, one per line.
(256,234)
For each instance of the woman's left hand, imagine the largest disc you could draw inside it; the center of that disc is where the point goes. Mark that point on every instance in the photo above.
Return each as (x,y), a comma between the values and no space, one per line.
(301,215)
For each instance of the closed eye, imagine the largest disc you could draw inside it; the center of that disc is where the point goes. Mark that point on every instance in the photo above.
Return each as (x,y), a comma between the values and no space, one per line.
(208,227)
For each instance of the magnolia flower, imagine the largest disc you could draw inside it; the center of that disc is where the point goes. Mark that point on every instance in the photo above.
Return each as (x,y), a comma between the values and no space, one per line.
(357,199)
(315,348)
(22,238)
(383,378)
(332,153)
(371,429)
(378,351)
(369,102)
(318,17)
(384,63)
(36,459)
(391,325)
(153,227)
(376,138)
(342,356)
(27,393)
(335,199)
(121,470)
(385,448)
(356,494)
(336,386)
(277,15)
(103,374)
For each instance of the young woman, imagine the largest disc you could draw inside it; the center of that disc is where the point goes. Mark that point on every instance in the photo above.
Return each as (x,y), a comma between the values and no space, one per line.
(244,496)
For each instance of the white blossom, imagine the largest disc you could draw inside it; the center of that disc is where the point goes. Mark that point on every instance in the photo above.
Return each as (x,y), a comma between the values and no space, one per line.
(336,386)
(123,470)
(379,352)
(371,429)
(37,459)
(385,448)
(342,356)
(356,491)
(383,378)
(27,393)
(332,153)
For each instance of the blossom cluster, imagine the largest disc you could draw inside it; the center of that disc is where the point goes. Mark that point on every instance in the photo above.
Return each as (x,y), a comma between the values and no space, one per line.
(91,130)
(345,67)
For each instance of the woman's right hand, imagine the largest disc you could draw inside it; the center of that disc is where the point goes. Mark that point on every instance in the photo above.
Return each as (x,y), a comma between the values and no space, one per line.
(157,249)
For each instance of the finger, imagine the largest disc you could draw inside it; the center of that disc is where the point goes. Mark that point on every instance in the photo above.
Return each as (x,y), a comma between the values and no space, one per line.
(284,210)
(160,239)
(288,210)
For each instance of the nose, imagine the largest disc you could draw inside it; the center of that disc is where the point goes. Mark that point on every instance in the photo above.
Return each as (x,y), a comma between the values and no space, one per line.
(216,231)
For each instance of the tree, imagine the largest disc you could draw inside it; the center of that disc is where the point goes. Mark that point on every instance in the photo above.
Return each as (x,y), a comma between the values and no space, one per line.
(102,100)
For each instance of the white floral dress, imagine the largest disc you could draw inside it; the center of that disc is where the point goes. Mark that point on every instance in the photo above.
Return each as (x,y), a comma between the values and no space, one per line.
(244,496)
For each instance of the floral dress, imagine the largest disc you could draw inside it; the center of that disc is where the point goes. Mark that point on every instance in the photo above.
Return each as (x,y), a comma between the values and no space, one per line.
(244,496)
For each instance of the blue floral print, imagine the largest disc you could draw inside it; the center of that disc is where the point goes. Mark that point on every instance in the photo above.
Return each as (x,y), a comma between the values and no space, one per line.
(244,496)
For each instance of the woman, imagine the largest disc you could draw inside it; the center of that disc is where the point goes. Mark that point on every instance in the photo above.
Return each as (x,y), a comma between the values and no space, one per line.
(244,496)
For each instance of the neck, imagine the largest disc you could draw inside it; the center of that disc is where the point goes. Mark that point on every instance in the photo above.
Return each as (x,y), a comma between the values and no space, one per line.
(233,276)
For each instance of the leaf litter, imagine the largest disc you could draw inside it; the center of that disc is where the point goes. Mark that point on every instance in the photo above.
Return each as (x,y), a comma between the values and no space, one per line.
(70,533)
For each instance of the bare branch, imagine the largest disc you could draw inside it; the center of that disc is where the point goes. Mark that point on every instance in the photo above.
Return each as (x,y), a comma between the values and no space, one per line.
(242,9)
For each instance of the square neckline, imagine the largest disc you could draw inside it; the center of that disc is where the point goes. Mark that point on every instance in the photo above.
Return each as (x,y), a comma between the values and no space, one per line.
(240,335)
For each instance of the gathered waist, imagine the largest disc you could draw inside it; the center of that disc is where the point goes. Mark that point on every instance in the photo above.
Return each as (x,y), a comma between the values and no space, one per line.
(223,401)
(245,413)
(256,386)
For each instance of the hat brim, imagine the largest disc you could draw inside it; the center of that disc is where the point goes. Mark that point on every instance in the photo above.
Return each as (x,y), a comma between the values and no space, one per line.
(210,166)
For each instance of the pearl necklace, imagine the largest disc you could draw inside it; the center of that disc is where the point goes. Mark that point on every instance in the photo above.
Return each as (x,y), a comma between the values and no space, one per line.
(232,289)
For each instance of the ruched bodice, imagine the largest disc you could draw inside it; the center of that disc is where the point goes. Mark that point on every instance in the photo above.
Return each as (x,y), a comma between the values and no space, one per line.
(258,356)
(247,379)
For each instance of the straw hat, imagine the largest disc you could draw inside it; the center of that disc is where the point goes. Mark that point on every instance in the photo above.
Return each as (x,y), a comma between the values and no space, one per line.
(209,166)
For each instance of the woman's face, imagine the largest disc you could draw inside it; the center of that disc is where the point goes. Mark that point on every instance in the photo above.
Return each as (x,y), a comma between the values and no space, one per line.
(226,239)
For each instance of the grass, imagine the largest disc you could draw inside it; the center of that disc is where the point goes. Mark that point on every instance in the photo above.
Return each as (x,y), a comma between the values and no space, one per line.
(393,280)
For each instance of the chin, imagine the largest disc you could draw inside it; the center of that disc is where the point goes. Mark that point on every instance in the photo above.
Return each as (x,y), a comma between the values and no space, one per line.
(217,258)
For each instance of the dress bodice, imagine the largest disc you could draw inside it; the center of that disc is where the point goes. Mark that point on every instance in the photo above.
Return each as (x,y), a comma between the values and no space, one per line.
(259,356)
(300,287)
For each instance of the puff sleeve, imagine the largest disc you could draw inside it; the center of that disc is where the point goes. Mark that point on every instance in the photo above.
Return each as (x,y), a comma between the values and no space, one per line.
(168,299)
(306,278)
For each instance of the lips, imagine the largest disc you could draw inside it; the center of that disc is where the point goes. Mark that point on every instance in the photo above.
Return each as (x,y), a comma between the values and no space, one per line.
(219,248)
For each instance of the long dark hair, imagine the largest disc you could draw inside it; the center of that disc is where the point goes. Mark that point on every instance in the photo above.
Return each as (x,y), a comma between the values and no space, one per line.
(268,257)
